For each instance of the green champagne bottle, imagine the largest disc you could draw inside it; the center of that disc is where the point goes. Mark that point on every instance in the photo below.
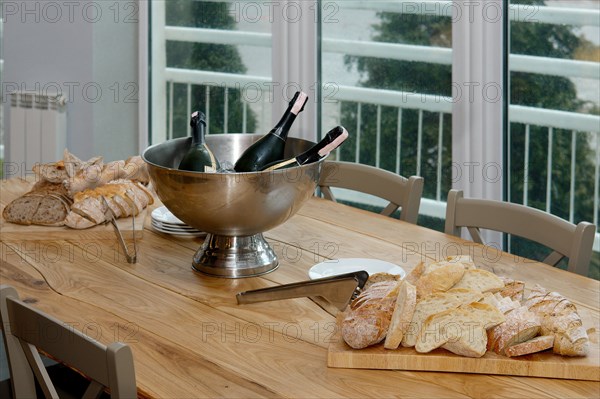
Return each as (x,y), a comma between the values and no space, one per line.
(199,157)
(332,140)
(270,147)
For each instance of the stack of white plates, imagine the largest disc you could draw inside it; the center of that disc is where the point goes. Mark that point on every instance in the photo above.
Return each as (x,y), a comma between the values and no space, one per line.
(165,222)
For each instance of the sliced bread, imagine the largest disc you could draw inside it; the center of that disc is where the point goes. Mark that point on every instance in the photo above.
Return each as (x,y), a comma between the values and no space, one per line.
(513,289)
(402,316)
(490,299)
(521,325)
(462,329)
(559,318)
(436,303)
(537,344)
(439,279)
(480,280)
(379,277)
(464,260)
(45,204)
(415,274)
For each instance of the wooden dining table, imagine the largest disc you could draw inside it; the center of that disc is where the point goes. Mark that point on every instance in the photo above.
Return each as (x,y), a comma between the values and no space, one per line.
(191,339)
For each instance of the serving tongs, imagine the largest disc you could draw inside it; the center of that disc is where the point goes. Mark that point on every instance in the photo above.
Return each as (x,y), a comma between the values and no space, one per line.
(111,218)
(338,290)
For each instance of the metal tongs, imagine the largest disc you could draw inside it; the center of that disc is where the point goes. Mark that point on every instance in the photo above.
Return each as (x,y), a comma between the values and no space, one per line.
(111,218)
(337,290)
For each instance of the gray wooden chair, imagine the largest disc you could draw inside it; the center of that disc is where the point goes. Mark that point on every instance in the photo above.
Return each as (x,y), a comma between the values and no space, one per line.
(564,238)
(27,329)
(399,191)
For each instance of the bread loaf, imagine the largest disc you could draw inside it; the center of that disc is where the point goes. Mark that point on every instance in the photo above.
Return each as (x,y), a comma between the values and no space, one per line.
(124,197)
(368,318)
(560,319)
(402,316)
(45,204)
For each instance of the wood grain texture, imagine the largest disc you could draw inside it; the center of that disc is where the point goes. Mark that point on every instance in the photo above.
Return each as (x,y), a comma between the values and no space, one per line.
(12,231)
(545,364)
(193,340)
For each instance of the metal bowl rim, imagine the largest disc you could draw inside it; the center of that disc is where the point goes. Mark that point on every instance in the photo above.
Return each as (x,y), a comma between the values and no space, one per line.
(193,173)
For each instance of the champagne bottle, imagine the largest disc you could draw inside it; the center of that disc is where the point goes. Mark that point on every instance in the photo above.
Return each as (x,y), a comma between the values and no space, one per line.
(270,147)
(332,140)
(199,157)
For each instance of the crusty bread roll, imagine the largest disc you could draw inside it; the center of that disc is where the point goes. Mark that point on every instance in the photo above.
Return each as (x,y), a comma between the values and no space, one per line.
(367,320)
(436,303)
(402,316)
(537,344)
(45,204)
(560,319)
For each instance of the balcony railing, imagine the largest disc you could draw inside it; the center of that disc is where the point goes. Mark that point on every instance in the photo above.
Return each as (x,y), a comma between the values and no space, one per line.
(529,116)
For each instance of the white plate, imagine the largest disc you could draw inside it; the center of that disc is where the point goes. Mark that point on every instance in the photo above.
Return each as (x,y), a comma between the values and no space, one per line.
(173,226)
(162,214)
(178,232)
(348,265)
(174,229)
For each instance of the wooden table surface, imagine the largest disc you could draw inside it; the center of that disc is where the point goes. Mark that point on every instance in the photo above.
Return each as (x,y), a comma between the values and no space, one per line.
(190,339)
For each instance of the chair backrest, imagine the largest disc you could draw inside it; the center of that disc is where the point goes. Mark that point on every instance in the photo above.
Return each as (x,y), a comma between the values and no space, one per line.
(27,329)
(399,191)
(564,238)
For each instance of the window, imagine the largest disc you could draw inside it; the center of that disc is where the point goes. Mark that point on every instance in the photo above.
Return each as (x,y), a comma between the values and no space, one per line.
(554,133)
(215,56)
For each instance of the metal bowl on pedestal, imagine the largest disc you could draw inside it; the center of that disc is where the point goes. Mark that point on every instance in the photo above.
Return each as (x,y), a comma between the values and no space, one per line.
(233,208)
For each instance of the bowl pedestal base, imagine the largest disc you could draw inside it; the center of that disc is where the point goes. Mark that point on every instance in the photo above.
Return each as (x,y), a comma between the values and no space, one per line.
(235,256)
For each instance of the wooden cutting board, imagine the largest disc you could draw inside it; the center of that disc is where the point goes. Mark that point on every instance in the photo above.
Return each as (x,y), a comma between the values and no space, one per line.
(544,364)
(14,188)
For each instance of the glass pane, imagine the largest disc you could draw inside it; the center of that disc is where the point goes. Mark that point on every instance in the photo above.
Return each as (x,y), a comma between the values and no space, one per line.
(208,70)
(554,110)
(386,75)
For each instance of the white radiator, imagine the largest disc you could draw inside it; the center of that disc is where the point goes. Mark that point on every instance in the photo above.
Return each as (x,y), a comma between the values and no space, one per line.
(37,129)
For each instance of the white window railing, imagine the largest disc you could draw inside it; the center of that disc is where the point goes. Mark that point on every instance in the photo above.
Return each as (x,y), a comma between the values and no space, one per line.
(529,116)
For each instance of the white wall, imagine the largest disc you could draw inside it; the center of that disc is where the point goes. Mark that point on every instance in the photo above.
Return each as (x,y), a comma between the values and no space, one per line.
(89,51)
